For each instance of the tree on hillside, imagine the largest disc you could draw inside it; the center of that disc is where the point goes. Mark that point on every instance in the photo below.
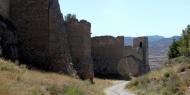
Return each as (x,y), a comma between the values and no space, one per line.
(173,50)
(186,41)
(182,46)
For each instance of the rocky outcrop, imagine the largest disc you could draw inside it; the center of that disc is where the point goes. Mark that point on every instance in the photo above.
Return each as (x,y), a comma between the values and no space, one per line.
(41,34)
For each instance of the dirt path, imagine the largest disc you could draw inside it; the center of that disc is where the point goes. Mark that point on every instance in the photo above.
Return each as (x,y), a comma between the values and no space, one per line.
(118,89)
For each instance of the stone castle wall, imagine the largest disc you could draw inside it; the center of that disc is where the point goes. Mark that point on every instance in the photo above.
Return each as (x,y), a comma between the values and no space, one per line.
(46,41)
(41,34)
(107,51)
(111,57)
(79,36)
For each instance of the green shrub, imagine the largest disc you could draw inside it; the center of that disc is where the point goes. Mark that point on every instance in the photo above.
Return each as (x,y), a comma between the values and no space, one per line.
(53,90)
(66,91)
(73,91)
(181,47)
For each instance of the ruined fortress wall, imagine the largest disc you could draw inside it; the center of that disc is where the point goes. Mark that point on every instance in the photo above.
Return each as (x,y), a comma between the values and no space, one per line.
(131,62)
(41,34)
(79,36)
(111,57)
(141,45)
(45,42)
(107,51)
(4,8)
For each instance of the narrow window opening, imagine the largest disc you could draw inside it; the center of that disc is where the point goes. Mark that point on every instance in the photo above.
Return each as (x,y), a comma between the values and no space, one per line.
(141,45)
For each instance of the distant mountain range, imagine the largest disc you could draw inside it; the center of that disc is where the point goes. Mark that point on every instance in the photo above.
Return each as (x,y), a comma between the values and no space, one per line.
(158,45)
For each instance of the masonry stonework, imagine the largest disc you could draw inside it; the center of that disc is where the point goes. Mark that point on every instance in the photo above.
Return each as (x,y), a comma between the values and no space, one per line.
(111,57)
(79,37)
(41,34)
(141,45)
(106,53)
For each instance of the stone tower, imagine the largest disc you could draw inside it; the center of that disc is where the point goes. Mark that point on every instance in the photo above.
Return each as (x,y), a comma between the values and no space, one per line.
(41,34)
(79,37)
(141,46)
(4,8)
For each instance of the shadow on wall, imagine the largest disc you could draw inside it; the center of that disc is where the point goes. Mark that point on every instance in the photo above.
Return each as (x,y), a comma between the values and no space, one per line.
(8,40)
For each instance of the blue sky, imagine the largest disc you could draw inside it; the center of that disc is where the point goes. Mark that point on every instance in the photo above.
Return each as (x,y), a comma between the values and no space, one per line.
(131,17)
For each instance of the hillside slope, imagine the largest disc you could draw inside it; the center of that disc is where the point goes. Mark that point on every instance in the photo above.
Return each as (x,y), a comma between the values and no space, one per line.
(174,79)
(161,47)
(17,80)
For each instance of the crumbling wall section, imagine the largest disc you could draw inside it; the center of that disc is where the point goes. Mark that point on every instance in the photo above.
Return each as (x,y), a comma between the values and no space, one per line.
(131,62)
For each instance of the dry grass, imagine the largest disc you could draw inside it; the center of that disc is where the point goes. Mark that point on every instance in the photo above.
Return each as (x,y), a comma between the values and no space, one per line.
(17,80)
(171,80)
